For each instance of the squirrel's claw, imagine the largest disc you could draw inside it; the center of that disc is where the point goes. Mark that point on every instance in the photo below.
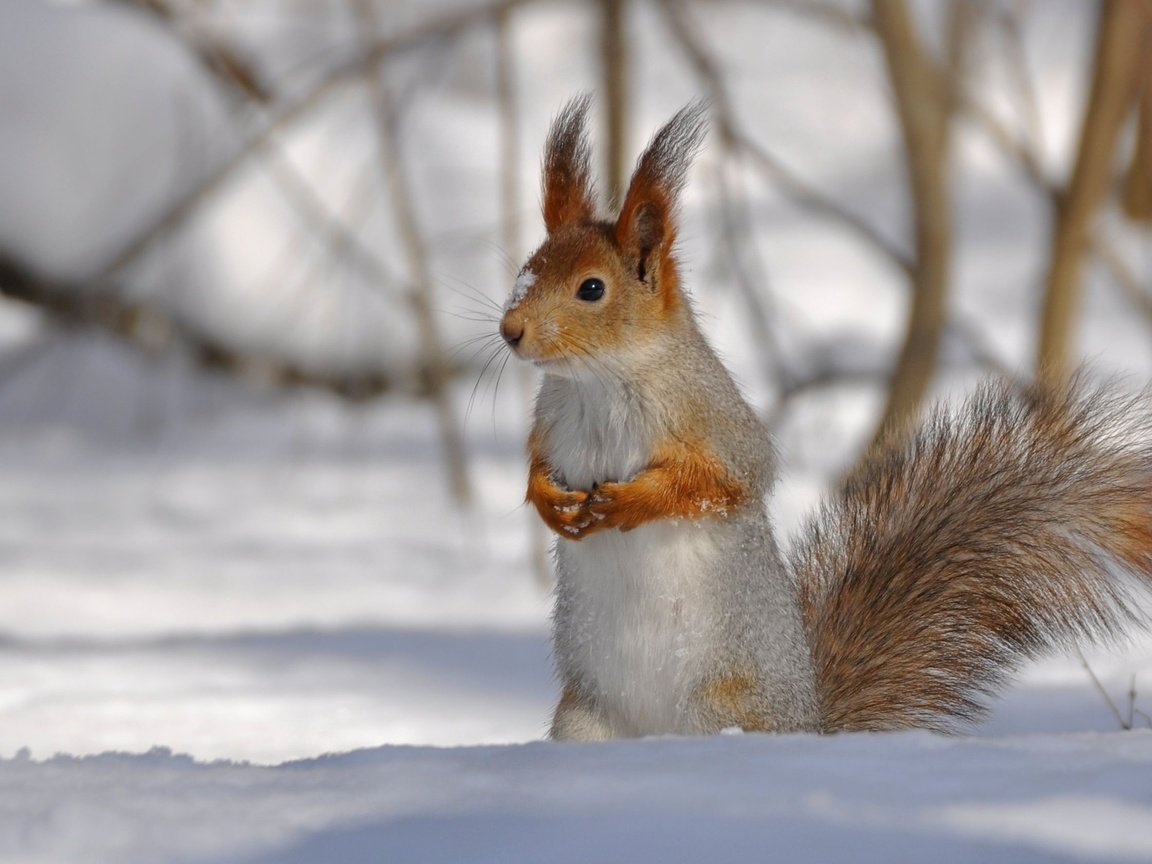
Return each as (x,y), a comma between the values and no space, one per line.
(565,511)
(603,506)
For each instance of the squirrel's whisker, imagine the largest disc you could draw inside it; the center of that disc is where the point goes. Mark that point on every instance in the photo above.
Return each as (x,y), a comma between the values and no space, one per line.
(485,340)
(472,397)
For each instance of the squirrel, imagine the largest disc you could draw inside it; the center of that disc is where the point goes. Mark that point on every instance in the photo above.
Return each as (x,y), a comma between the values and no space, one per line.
(1010,526)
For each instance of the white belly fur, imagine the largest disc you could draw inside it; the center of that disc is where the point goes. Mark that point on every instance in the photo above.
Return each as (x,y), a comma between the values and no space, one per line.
(637,616)
(633,611)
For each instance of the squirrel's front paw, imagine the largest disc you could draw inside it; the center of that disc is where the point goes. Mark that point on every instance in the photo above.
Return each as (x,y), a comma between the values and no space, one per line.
(605,506)
(564,511)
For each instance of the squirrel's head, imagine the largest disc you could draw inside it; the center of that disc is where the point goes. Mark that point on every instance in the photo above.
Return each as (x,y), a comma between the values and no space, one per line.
(598,288)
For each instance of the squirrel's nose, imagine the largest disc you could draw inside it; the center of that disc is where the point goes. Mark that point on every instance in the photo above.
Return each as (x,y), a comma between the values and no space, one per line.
(512,329)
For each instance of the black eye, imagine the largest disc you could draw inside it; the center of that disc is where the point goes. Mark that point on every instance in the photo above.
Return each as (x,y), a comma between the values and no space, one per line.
(591,290)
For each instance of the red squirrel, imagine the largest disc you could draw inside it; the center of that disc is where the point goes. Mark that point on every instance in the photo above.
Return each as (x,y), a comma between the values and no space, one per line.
(1000,530)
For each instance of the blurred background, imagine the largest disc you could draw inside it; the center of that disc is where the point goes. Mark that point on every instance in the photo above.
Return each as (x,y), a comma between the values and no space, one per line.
(260,447)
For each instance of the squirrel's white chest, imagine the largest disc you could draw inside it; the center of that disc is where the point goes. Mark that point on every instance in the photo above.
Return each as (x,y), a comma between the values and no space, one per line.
(632,615)
(634,620)
(595,437)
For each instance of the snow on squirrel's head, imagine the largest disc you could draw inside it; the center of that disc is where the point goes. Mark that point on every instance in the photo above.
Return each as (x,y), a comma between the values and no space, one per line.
(595,286)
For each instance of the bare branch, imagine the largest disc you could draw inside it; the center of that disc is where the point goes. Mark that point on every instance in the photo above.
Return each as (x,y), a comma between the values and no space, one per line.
(508,107)
(291,181)
(284,115)
(1119,43)
(821,12)
(404,211)
(1007,17)
(1132,702)
(981,352)
(924,114)
(1103,693)
(736,219)
(797,190)
(1017,151)
(820,378)
(808,197)
(1137,199)
(154,330)
(221,61)
(751,277)
(614,56)
(1123,275)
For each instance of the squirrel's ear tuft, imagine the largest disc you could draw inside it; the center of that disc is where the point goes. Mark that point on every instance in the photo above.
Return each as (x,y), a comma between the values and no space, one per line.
(646,223)
(569,197)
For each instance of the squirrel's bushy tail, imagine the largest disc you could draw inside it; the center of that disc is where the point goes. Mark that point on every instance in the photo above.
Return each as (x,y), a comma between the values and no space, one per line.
(1015,525)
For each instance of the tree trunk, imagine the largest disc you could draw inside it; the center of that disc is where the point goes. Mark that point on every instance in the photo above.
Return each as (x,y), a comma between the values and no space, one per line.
(614,68)
(1138,182)
(1115,74)
(924,108)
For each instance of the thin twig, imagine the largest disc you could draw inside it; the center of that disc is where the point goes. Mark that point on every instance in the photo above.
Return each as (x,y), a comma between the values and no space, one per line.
(404,212)
(1011,31)
(1137,198)
(821,378)
(735,215)
(791,185)
(1122,274)
(293,183)
(154,331)
(508,108)
(924,115)
(1103,693)
(1115,81)
(822,12)
(219,60)
(969,333)
(297,304)
(1132,701)
(808,197)
(614,57)
(285,114)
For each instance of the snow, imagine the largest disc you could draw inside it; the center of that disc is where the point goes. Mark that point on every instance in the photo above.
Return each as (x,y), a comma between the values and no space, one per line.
(342,664)
(520,287)
(336,604)
(1072,824)
(84,187)
(908,797)
(264,588)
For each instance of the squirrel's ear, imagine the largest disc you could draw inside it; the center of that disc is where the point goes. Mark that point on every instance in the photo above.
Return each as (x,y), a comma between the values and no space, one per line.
(568,194)
(646,226)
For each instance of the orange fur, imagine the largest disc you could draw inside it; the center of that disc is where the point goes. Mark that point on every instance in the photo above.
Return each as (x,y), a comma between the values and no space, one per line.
(564,511)
(569,698)
(568,195)
(684,481)
(989,538)
(633,256)
(990,535)
(645,230)
(732,700)
(1131,531)
(557,327)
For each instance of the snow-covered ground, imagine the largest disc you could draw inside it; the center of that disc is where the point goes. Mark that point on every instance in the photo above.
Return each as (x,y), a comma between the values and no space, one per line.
(866,798)
(292,583)
(278,590)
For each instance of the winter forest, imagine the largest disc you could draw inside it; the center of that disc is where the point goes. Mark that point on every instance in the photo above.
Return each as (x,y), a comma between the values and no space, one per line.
(269,591)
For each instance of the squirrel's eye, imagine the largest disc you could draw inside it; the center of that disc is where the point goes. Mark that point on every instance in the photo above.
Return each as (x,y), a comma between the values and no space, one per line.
(591,290)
